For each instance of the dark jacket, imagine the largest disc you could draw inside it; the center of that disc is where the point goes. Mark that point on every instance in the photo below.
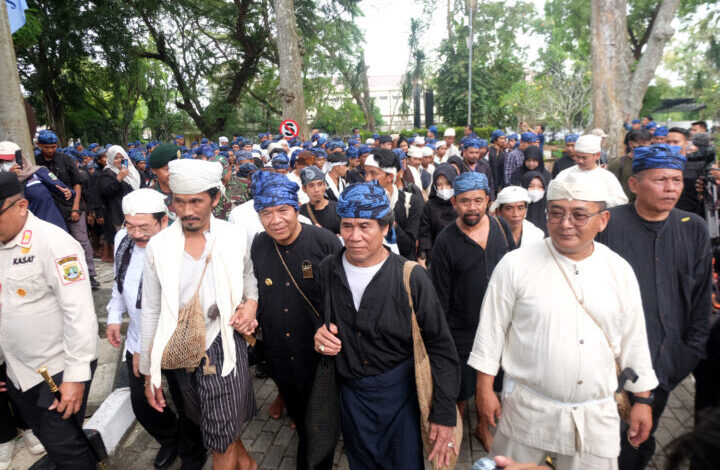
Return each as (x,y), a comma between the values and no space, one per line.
(378,337)
(437,213)
(407,216)
(66,170)
(111,193)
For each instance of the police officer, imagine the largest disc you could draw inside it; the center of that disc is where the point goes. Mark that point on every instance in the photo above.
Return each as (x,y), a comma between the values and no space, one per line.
(47,319)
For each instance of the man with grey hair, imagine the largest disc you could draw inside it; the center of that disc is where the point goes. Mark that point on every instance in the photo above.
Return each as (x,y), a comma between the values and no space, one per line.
(559,316)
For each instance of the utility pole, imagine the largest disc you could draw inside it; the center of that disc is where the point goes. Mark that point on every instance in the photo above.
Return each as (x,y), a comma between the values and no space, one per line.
(13,120)
(471,7)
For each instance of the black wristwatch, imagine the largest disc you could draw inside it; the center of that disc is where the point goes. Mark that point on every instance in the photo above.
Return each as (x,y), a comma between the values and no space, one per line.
(645,400)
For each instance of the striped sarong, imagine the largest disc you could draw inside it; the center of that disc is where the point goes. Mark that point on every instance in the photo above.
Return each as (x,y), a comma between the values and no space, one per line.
(222,406)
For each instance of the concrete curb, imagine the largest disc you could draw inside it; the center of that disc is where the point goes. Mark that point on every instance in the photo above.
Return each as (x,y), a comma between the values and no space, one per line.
(113,418)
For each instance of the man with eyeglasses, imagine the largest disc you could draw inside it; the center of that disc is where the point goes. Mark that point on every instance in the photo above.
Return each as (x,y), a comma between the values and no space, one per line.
(558,316)
(145,215)
(670,251)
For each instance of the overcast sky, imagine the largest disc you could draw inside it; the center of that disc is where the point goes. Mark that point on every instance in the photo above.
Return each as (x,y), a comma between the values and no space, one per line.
(387,26)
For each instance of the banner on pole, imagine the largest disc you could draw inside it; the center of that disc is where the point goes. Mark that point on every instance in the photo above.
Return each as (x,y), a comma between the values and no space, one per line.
(16,13)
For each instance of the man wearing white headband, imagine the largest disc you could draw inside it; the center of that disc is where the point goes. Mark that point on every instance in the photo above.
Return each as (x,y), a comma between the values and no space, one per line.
(512,204)
(587,154)
(382,165)
(559,316)
(201,266)
(145,216)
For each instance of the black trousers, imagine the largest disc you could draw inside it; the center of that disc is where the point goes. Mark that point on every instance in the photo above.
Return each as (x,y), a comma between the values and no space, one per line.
(296,397)
(163,427)
(707,375)
(62,438)
(190,444)
(10,419)
(637,459)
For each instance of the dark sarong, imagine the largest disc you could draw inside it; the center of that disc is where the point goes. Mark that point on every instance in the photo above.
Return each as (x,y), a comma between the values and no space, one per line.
(381,420)
(220,405)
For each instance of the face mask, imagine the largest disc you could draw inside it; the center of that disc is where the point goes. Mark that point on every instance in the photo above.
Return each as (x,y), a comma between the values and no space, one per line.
(5,166)
(445,194)
(536,195)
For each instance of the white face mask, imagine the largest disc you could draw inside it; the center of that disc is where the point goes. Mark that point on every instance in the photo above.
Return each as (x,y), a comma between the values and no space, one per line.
(536,195)
(5,166)
(445,194)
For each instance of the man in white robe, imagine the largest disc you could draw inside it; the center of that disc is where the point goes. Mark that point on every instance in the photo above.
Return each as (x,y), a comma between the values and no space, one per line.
(557,316)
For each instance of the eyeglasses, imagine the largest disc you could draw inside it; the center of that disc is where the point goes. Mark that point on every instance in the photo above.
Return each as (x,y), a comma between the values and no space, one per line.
(140,230)
(578,220)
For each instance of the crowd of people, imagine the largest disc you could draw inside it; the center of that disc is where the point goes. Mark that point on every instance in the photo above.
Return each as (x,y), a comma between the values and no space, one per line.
(542,293)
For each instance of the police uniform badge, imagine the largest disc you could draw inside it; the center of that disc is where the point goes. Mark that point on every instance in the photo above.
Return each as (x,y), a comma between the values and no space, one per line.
(69,269)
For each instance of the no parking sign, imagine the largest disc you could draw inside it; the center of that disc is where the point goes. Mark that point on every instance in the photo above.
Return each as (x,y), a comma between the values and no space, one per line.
(289,128)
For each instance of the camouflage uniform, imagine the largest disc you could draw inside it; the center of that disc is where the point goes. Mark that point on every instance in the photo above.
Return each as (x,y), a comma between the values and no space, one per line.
(237,191)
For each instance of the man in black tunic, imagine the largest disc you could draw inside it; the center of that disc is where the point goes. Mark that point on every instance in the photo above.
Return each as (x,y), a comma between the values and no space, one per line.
(464,256)
(319,209)
(370,333)
(287,255)
(669,251)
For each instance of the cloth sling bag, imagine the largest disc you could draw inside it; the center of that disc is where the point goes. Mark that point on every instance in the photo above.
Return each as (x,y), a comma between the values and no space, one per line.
(322,418)
(424,380)
(621,398)
(314,220)
(186,347)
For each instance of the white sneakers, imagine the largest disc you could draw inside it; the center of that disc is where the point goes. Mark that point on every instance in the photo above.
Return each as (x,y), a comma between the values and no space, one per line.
(6,454)
(32,443)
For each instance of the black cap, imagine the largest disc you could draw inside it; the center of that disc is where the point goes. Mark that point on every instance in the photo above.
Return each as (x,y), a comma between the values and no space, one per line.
(384,139)
(9,186)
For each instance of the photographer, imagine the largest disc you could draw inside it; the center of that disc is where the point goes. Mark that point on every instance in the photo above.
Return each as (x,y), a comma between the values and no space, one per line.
(695,168)
(118,178)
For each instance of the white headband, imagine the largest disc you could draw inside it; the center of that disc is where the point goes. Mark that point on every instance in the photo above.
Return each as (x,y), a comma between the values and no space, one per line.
(371,161)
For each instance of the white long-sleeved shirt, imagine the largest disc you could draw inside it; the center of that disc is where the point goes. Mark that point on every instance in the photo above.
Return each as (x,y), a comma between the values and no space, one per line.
(47,315)
(530,233)
(127,301)
(532,324)
(617,196)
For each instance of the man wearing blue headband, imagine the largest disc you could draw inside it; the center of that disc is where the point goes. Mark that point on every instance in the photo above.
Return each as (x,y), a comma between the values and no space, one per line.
(319,209)
(370,336)
(287,255)
(568,156)
(660,135)
(72,209)
(463,258)
(473,161)
(622,167)
(670,252)
(496,158)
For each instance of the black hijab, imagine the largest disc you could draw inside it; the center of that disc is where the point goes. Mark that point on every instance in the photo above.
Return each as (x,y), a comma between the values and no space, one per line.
(537,211)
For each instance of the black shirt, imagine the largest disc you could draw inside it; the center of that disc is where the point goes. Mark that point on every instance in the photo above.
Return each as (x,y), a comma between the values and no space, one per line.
(407,211)
(562,164)
(288,323)
(65,168)
(327,218)
(461,270)
(377,337)
(672,261)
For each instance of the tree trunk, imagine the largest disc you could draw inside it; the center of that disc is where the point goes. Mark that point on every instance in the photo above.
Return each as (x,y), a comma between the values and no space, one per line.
(291,83)
(13,120)
(618,90)
(367,102)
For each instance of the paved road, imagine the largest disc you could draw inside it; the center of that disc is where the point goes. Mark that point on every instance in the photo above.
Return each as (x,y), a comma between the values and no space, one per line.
(273,443)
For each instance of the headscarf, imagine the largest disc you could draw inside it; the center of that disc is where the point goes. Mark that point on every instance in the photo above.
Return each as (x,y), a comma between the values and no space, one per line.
(446,170)
(509,195)
(528,137)
(661,131)
(280,161)
(537,211)
(495,134)
(47,137)
(581,186)
(588,143)
(571,138)
(246,169)
(363,201)
(273,189)
(195,176)
(657,156)
(133,177)
(471,181)
(311,173)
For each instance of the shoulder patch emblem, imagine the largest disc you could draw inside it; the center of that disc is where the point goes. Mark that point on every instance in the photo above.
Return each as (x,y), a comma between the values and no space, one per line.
(69,269)
(52,175)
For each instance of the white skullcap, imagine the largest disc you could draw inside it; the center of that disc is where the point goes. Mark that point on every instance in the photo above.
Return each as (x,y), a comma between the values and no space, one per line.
(588,143)
(370,141)
(510,195)
(579,185)
(195,176)
(282,142)
(273,146)
(371,161)
(414,152)
(449,132)
(419,140)
(440,143)
(427,152)
(223,139)
(143,201)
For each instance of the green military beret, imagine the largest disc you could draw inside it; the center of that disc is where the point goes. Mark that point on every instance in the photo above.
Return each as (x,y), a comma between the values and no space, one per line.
(163,154)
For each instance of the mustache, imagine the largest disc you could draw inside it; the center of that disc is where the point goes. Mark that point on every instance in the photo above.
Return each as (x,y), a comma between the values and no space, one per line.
(189,218)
